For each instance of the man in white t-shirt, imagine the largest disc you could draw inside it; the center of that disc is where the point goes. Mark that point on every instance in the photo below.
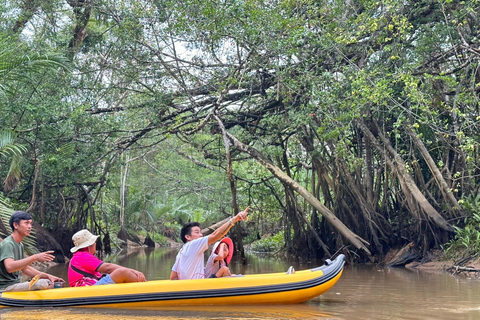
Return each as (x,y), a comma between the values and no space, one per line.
(190,262)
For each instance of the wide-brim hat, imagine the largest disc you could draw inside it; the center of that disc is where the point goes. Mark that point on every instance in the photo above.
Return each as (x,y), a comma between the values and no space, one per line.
(229,243)
(83,239)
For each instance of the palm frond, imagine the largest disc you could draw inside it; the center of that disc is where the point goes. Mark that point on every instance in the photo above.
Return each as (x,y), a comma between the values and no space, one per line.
(66,149)
(14,174)
(17,64)
(6,211)
(8,145)
(9,148)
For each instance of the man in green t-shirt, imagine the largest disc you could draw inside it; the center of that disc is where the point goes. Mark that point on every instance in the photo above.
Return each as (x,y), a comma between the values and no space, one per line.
(13,259)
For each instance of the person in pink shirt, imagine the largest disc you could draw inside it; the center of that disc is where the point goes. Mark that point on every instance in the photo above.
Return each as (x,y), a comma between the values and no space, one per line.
(86,270)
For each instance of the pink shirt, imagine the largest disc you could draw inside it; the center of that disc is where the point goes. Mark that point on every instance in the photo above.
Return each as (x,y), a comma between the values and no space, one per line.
(86,262)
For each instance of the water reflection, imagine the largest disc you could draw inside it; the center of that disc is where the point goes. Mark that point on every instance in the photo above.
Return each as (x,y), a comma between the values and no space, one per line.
(361,293)
(371,293)
(302,311)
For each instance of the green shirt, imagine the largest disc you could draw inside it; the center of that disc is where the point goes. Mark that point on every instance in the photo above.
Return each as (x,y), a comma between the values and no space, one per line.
(9,248)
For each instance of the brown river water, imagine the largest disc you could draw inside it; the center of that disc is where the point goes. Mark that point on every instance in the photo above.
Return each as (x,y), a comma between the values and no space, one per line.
(363,292)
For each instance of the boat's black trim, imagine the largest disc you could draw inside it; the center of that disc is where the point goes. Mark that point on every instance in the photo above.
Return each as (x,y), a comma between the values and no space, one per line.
(329,272)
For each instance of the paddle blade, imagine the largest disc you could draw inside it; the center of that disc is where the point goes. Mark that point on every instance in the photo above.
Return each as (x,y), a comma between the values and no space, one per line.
(33,281)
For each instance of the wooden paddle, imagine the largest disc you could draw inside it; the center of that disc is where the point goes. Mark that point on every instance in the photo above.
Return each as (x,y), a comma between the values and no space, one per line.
(33,281)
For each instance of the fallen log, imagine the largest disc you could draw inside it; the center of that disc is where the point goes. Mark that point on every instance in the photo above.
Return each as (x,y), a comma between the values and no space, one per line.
(458,269)
(404,256)
(206,231)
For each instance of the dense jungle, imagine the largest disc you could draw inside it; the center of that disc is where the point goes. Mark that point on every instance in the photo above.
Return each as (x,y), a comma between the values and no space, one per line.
(348,126)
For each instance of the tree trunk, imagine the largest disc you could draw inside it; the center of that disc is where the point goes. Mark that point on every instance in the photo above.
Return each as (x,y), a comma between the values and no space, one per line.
(28,9)
(33,205)
(366,208)
(81,12)
(368,174)
(45,241)
(324,247)
(406,182)
(442,184)
(299,243)
(354,239)
(233,190)
(123,182)
(206,231)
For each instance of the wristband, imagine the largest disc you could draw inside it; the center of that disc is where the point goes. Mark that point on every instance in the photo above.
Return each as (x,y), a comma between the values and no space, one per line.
(231,222)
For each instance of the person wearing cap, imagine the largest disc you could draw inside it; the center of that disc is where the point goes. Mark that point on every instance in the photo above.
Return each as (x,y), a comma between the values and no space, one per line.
(217,264)
(190,261)
(85,269)
(13,259)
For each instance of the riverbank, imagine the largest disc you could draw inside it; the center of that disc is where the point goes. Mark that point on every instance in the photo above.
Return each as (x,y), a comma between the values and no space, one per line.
(435,261)
(468,267)
(430,267)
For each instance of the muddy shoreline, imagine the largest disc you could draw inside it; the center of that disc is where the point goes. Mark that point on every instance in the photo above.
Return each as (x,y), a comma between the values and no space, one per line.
(469,268)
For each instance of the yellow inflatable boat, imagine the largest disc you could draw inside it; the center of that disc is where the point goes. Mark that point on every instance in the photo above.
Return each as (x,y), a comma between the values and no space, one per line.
(272,288)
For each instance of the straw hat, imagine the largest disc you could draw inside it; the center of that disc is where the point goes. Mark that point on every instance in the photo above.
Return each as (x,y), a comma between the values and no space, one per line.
(83,239)
(229,243)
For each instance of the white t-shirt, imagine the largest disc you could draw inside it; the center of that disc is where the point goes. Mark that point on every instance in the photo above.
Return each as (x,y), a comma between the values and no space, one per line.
(190,263)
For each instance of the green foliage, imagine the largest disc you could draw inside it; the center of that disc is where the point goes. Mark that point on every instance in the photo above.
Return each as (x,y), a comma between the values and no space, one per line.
(19,64)
(290,78)
(269,244)
(11,151)
(8,147)
(5,213)
(467,239)
(159,239)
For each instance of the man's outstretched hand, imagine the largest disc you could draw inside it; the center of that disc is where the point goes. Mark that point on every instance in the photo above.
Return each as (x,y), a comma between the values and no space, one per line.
(242,215)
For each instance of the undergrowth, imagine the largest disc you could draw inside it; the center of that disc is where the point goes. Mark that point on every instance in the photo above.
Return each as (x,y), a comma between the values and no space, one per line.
(467,239)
